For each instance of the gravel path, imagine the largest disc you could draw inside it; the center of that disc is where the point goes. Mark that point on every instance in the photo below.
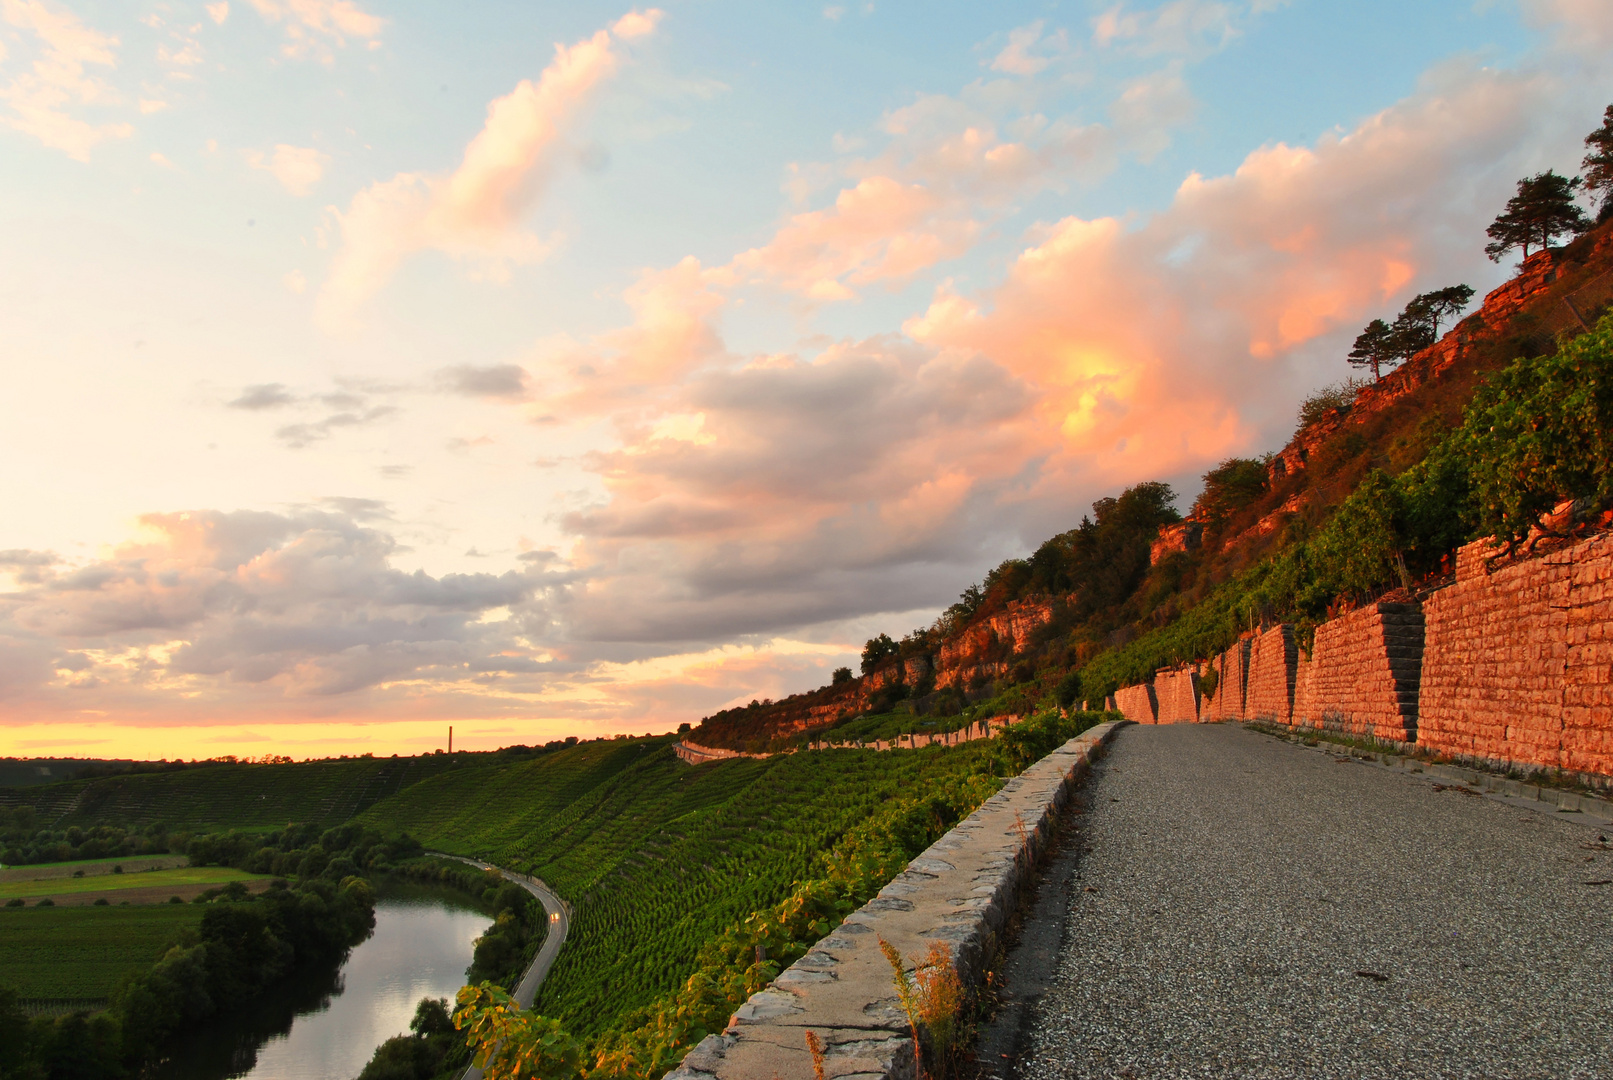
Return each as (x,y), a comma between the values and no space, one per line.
(1247,907)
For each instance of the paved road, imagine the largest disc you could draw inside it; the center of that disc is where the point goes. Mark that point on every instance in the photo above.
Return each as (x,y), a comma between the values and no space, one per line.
(1247,907)
(559,925)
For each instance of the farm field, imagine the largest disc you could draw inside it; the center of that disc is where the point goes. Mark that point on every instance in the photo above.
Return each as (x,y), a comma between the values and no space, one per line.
(253,797)
(131,864)
(177,880)
(657,857)
(82,953)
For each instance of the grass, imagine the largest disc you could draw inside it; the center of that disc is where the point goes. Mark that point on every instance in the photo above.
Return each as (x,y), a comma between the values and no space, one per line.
(210,798)
(150,879)
(131,864)
(658,857)
(83,953)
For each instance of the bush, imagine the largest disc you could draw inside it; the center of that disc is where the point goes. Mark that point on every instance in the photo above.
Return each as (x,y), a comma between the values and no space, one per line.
(1341,396)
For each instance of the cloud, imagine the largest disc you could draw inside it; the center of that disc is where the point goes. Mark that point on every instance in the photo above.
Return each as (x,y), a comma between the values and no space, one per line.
(39,98)
(834,12)
(880,230)
(298,436)
(754,493)
(312,26)
(1017,57)
(475,213)
(218,12)
(495,380)
(1181,28)
(299,604)
(298,168)
(263,396)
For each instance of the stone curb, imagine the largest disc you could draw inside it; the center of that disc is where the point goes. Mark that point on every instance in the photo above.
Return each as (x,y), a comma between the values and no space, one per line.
(961,891)
(1514,792)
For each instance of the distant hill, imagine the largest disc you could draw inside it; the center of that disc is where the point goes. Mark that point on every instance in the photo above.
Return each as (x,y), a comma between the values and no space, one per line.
(1091,609)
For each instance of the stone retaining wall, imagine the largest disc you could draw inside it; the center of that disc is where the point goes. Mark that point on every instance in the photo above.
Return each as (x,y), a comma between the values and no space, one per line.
(960,892)
(1176,690)
(1137,703)
(695,754)
(1232,673)
(1364,673)
(1516,669)
(1273,665)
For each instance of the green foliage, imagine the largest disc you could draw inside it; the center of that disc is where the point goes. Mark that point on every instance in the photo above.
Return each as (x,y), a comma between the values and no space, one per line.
(1542,210)
(751,952)
(1208,683)
(1021,745)
(1541,431)
(1359,550)
(1375,348)
(1598,163)
(83,953)
(1228,488)
(513,1044)
(431,1049)
(1340,395)
(1068,691)
(876,651)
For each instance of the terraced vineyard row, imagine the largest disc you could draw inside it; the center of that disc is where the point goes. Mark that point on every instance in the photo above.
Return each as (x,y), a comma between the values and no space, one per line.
(231,796)
(659,857)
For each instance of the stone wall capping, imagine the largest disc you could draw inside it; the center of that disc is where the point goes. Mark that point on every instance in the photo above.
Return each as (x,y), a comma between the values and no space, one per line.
(961,890)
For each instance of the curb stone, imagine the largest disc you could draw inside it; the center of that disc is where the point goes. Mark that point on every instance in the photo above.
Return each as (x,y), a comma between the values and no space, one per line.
(962,891)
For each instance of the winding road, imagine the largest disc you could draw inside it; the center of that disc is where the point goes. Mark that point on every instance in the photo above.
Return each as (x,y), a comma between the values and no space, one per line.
(559,924)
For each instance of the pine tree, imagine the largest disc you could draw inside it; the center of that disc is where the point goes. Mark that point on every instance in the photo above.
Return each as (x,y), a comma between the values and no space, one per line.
(1417,327)
(1374,348)
(1542,210)
(1598,164)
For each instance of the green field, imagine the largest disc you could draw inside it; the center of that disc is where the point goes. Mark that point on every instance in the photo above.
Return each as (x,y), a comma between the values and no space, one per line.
(658,857)
(150,879)
(82,953)
(208,798)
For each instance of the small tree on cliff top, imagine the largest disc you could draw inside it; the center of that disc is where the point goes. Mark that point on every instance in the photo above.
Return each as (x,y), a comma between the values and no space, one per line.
(1598,164)
(1542,210)
(1374,348)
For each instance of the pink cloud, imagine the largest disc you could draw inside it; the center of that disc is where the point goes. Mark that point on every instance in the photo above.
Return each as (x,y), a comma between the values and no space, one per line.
(44,99)
(474,213)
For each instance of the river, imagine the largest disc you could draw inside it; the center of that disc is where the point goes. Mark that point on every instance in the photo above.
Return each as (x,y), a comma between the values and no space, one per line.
(326,1024)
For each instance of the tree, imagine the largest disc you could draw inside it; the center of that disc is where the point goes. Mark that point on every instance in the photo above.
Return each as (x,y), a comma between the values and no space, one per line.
(841,675)
(1542,210)
(1374,348)
(876,650)
(1417,327)
(1598,164)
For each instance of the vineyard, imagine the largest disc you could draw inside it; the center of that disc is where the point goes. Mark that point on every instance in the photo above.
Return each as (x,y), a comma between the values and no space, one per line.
(68,954)
(658,857)
(233,795)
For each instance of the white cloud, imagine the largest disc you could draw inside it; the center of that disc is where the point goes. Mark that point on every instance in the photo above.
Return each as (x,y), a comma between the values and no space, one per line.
(312,26)
(475,212)
(296,281)
(834,12)
(39,99)
(1019,57)
(219,12)
(298,168)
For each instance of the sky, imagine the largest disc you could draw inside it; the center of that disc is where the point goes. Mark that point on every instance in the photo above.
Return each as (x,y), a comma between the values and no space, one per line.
(549,370)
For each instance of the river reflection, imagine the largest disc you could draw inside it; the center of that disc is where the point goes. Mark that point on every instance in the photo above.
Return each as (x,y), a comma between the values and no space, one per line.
(326,1025)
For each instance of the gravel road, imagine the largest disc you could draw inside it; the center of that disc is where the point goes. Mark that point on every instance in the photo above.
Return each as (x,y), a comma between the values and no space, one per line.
(1248,907)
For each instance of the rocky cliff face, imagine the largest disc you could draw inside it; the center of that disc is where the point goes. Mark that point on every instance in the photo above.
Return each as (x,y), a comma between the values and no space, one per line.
(981,652)
(1494,319)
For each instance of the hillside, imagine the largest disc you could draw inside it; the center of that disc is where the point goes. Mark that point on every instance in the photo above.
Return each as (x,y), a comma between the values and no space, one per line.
(657,857)
(1093,608)
(229,795)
